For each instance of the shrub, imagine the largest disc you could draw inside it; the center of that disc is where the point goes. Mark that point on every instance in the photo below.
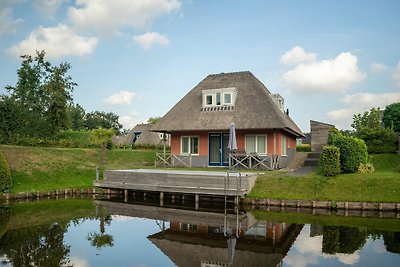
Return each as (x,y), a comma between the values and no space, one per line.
(353,151)
(379,140)
(303,148)
(366,168)
(5,175)
(330,161)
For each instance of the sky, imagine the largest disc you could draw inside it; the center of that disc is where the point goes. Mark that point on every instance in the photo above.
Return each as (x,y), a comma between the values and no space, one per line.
(138,58)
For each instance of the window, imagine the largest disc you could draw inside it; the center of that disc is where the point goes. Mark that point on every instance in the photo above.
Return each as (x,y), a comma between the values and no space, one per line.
(209,100)
(227,98)
(256,144)
(284,145)
(189,145)
(219,97)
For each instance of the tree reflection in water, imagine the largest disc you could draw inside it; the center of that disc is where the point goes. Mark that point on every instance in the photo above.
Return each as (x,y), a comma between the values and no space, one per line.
(36,246)
(99,240)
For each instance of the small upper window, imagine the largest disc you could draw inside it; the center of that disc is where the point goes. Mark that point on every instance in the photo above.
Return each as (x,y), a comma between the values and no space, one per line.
(228,98)
(209,101)
(219,97)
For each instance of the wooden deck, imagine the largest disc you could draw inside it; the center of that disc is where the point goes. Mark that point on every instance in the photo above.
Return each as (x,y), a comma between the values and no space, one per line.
(184,182)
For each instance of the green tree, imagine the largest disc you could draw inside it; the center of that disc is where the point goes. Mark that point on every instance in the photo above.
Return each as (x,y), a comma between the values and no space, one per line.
(76,117)
(101,119)
(370,119)
(40,98)
(100,137)
(153,120)
(391,116)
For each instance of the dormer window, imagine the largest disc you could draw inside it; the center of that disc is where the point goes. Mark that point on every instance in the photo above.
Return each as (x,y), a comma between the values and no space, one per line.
(219,97)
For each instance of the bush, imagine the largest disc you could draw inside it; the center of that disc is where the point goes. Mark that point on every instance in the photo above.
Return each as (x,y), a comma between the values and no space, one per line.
(353,151)
(5,175)
(379,141)
(303,148)
(366,168)
(330,161)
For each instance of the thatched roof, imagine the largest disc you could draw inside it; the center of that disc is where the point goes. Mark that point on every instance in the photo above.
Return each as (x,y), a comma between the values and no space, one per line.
(254,108)
(146,136)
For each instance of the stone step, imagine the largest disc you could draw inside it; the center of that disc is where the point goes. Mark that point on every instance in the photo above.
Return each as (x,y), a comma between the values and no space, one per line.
(311,162)
(313,155)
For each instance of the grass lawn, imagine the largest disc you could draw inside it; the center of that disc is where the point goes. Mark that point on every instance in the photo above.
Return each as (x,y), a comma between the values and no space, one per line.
(42,169)
(381,186)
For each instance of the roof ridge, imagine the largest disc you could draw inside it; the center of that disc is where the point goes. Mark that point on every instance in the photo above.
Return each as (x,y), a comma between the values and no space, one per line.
(230,73)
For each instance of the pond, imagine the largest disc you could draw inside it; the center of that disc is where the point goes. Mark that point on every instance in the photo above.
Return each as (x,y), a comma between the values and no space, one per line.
(84,232)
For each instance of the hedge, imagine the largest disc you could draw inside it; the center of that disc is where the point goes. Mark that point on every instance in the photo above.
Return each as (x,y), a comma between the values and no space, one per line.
(330,161)
(5,175)
(353,151)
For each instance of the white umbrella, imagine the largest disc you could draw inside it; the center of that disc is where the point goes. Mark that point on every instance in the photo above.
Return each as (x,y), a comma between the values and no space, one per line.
(232,145)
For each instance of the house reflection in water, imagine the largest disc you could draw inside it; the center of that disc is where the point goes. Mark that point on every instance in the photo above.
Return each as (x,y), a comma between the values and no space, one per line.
(263,244)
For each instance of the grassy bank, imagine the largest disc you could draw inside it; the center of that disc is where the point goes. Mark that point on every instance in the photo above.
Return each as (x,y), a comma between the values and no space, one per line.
(381,186)
(42,169)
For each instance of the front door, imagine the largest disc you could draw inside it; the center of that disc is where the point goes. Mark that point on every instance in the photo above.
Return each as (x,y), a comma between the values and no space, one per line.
(218,149)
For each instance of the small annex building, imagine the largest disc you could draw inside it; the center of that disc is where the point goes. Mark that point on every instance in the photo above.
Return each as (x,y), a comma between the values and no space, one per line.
(141,135)
(199,123)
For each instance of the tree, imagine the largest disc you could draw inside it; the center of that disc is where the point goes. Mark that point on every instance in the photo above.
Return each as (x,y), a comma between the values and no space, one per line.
(391,116)
(101,137)
(100,119)
(153,120)
(40,97)
(368,127)
(370,119)
(76,117)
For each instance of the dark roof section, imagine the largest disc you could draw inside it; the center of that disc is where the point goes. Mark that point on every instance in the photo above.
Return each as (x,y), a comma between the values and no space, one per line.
(254,108)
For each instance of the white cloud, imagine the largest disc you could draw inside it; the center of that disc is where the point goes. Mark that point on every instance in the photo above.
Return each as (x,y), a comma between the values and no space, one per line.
(329,75)
(297,55)
(377,67)
(396,75)
(149,39)
(349,259)
(7,23)
(360,103)
(107,16)
(77,262)
(57,41)
(129,121)
(48,7)
(120,98)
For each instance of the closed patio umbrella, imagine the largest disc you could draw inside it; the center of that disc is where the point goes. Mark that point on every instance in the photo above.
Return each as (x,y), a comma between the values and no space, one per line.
(232,145)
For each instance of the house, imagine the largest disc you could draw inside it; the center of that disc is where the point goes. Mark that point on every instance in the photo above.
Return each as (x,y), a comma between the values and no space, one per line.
(199,123)
(141,135)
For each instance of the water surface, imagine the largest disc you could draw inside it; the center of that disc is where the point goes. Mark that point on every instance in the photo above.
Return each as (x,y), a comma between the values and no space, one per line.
(79,232)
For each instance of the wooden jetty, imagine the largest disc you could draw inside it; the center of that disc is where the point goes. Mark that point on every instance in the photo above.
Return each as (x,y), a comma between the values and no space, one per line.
(196,183)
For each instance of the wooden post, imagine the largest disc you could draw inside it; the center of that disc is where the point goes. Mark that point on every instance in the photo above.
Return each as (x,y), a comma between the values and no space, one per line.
(126,195)
(196,201)
(161,199)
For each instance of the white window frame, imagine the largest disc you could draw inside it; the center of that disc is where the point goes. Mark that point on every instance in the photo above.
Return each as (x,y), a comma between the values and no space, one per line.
(222,92)
(283,145)
(212,100)
(226,103)
(256,143)
(190,144)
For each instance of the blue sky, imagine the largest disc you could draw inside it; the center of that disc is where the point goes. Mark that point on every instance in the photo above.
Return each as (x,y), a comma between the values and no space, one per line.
(328,59)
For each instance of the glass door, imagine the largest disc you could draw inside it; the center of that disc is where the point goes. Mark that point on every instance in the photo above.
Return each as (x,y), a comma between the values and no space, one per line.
(218,149)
